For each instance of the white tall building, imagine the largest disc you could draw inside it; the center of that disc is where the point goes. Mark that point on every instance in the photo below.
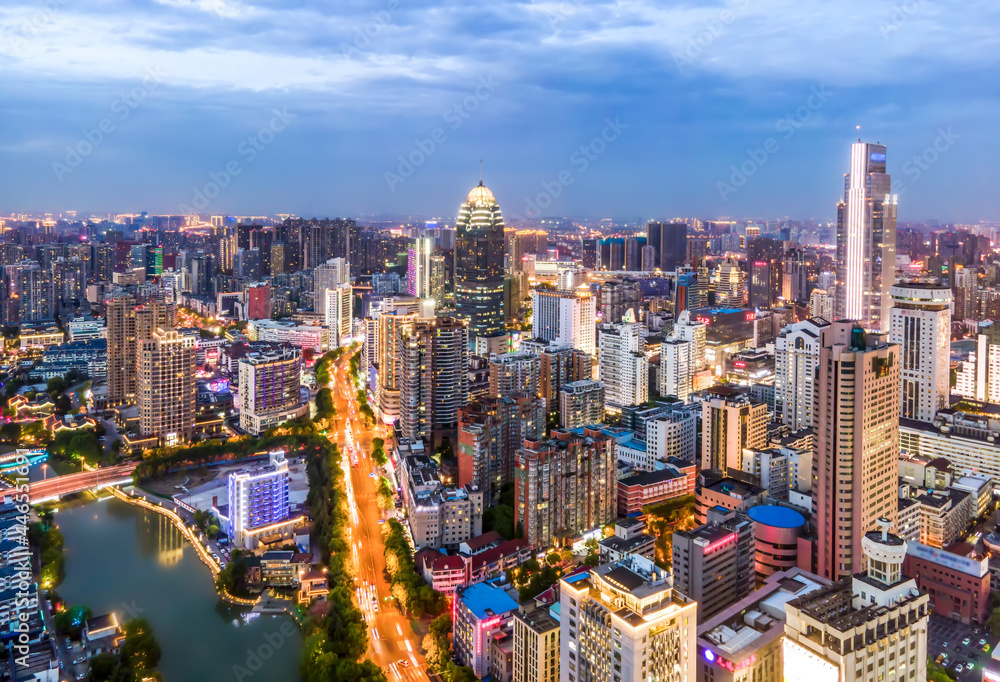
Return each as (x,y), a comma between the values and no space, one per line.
(921,325)
(565,317)
(676,356)
(339,300)
(623,366)
(821,304)
(418,267)
(866,240)
(796,354)
(624,622)
(329,275)
(687,329)
(730,290)
(258,500)
(673,435)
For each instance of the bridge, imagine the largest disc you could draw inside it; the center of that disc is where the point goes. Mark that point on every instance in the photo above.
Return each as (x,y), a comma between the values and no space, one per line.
(56,487)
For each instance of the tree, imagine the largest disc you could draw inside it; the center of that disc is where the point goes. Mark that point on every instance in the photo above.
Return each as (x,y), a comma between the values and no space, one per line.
(70,621)
(56,386)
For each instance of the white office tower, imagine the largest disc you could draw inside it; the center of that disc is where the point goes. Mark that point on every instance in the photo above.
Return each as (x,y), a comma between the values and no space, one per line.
(796,354)
(821,304)
(418,267)
(868,626)
(921,325)
(687,329)
(565,317)
(730,291)
(568,279)
(624,622)
(328,275)
(675,372)
(338,314)
(622,366)
(866,240)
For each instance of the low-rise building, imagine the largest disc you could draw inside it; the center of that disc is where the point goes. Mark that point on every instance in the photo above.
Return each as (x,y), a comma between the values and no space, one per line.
(481,610)
(728,493)
(676,479)
(630,538)
(958,586)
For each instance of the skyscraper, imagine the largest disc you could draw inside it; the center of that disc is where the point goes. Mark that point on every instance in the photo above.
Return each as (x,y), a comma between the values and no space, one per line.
(128,324)
(866,240)
(856,444)
(165,388)
(479,264)
(434,376)
(796,355)
(622,366)
(327,276)
(764,256)
(565,317)
(418,267)
(670,242)
(731,422)
(339,302)
(921,325)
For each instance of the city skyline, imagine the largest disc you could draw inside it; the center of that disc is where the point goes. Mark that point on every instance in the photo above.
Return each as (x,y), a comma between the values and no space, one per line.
(641,111)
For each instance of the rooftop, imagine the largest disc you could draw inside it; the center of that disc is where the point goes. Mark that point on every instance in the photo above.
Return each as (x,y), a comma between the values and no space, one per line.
(485,600)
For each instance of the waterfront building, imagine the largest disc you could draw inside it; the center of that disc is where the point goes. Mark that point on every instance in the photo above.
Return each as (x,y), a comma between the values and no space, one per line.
(165,387)
(269,389)
(258,501)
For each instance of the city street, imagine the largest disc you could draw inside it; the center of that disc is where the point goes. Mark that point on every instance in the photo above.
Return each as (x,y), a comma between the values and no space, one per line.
(393,645)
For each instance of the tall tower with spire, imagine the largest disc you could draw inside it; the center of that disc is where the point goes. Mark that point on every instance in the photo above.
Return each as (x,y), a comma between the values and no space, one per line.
(479,264)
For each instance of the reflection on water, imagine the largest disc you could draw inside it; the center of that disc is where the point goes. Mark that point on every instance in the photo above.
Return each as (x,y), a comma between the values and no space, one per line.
(131,561)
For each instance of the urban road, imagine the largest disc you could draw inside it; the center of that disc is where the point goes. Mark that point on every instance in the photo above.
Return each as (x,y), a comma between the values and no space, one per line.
(393,646)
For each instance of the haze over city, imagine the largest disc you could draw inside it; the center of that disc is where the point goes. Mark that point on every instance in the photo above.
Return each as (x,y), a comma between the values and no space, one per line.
(521,85)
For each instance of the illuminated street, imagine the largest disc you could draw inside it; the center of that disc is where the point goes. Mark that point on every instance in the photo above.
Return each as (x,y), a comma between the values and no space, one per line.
(393,645)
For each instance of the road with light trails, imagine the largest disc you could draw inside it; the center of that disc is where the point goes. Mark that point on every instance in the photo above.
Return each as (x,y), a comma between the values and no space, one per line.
(393,646)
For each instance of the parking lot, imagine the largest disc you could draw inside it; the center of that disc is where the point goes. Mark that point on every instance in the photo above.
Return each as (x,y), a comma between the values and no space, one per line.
(949,637)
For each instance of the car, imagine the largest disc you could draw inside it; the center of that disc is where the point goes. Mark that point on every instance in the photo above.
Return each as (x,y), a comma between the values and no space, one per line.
(982,641)
(940,657)
(970,665)
(965,642)
(79,659)
(405,663)
(986,648)
(81,676)
(958,668)
(61,666)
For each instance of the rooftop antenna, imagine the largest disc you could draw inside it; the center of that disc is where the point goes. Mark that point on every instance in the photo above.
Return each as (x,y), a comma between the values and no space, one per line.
(480,171)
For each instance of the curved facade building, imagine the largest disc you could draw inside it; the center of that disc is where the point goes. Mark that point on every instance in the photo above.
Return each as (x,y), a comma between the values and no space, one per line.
(479,264)
(776,531)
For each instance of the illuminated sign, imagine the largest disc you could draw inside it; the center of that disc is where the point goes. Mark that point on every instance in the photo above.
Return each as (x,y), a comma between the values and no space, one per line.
(878,157)
(720,543)
(802,665)
(740,363)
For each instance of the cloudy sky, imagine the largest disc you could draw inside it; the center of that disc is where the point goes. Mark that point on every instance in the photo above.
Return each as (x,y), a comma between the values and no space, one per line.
(630,109)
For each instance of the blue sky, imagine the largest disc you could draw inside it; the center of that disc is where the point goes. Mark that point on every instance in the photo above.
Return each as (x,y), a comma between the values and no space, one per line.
(308,106)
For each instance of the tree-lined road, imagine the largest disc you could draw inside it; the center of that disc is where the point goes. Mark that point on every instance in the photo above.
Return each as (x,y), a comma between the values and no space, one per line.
(393,646)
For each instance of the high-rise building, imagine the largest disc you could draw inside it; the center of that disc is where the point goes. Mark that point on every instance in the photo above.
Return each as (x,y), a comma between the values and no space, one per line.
(731,422)
(339,303)
(128,324)
(559,365)
(920,322)
(581,403)
(439,277)
(796,355)
(764,256)
(165,388)
(31,292)
(670,242)
(821,304)
(856,444)
(434,376)
(713,564)
(269,388)
(866,239)
(564,317)
(479,264)
(514,373)
(622,366)
(490,431)
(418,267)
(258,498)
(329,275)
(696,332)
(676,369)
(387,354)
(869,626)
(729,292)
(565,484)
(624,622)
